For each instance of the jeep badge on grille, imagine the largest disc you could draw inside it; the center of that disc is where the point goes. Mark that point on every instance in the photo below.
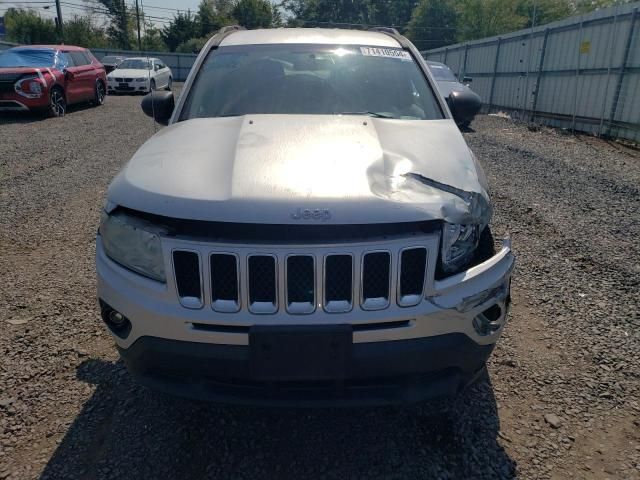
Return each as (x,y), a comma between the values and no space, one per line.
(308,214)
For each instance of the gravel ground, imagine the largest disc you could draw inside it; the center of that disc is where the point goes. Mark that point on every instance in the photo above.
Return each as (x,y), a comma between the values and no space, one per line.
(561,399)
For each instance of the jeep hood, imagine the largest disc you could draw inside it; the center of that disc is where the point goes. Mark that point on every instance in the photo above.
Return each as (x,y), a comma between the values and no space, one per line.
(271,168)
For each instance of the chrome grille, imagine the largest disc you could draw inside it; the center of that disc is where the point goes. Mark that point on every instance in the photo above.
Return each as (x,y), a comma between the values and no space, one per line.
(338,283)
(186,268)
(376,280)
(300,284)
(303,280)
(262,284)
(413,263)
(225,286)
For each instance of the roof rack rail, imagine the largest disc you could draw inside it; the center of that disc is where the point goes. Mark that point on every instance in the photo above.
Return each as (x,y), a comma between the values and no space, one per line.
(231,28)
(387,30)
(392,32)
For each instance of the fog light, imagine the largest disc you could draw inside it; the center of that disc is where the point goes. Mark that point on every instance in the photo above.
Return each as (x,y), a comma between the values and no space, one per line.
(116,321)
(488,321)
(116,318)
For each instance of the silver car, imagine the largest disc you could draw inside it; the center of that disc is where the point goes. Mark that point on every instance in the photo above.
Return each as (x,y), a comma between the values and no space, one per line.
(310,229)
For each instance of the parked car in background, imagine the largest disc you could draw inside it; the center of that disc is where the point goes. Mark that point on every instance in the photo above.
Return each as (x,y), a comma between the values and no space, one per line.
(49,77)
(449,84)
(111,62)
(310,229)
(140,74)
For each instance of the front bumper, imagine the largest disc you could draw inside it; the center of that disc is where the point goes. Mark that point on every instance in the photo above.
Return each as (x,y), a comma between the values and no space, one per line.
(127,87)
(12,102)
(398,354)
(378,373)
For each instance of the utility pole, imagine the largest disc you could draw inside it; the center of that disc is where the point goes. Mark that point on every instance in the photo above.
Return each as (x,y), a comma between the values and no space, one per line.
(138,19)
(59,14)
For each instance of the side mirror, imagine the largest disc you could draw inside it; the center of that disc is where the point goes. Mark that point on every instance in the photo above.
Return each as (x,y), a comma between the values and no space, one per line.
(467,79)
(158,105)
(463,105)
(67,75)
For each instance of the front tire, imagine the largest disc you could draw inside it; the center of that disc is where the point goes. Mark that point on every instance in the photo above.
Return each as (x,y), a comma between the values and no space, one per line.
(169,83)
(100,93)
(57,103)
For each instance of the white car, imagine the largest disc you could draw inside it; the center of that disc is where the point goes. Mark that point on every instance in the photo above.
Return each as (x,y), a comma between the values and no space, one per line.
(140,74)
(310,229)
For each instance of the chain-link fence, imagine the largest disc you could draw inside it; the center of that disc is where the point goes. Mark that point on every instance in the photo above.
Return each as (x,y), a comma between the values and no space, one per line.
(581,73)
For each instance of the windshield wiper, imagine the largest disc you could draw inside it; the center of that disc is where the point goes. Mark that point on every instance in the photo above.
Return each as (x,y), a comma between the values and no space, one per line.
(371,114)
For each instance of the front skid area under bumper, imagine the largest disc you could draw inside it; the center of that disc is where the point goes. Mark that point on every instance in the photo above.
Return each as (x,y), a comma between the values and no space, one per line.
(380,373)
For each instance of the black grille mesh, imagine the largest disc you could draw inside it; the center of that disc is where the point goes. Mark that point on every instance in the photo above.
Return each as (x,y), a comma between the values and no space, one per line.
(224,277)
(187,270)
(262,279)
(413,266)
(375,275)
(339,278)
(300,282)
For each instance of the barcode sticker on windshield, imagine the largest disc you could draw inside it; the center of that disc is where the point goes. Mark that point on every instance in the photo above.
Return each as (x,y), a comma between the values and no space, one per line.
(385,52)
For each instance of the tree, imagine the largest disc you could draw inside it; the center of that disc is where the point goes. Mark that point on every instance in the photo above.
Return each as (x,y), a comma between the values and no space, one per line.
(182,28)
(544,11)
(209,20)
(396,13)
(26,26)
(80,30)
(433,24)
(121,23)
(320,12)
(152,38)
(253,13)
(192,46)
(486,18)
(586,6)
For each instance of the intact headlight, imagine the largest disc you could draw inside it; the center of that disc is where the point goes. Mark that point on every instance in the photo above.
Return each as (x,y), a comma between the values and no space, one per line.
(459,243)
(132,243)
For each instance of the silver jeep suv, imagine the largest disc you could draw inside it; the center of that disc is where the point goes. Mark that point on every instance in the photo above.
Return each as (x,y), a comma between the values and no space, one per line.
(310,229)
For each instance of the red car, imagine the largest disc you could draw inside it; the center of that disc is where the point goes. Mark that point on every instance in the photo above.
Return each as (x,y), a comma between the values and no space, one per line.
(50,77)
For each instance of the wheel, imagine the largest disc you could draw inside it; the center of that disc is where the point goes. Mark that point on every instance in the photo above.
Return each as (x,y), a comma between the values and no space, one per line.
(169,83)
(152,85)
(100,93)
(57,103)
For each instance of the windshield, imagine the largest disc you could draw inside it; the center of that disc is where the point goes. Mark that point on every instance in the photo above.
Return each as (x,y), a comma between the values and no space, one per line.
(111,60)
(135,64)
(310,79)
(442,72)
(24,57)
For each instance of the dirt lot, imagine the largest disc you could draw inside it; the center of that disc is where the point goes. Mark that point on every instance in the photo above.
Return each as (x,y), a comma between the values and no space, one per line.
(571,350)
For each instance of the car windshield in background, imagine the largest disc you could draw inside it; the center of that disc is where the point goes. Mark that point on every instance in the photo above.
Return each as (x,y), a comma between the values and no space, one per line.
(39,58)
(110,60)
(135,64)
(442,72)
(311,79)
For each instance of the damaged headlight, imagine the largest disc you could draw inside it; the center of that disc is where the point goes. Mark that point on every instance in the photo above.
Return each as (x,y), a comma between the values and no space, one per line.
(459,243)
(133,244)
